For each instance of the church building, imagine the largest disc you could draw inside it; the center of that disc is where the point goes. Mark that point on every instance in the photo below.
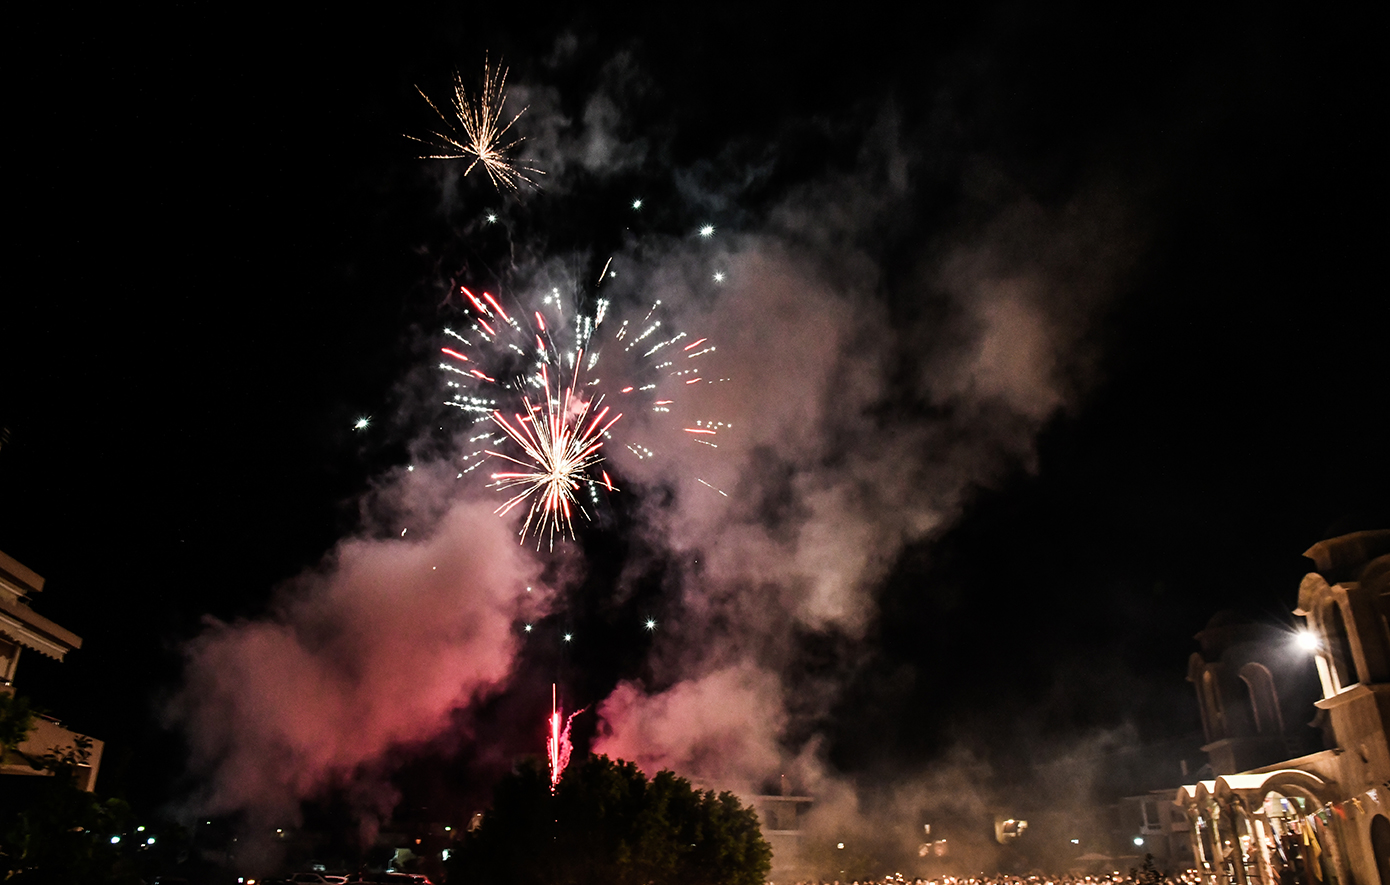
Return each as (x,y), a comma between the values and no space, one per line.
(1279,809)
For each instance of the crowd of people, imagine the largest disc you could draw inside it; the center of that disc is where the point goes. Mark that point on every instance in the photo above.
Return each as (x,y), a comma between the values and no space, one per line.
(1186,877)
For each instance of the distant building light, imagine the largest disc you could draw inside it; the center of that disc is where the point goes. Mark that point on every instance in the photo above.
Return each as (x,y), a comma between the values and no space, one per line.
(839,845)
(115,840)
(1138,840)
(149,841)
(1308,640)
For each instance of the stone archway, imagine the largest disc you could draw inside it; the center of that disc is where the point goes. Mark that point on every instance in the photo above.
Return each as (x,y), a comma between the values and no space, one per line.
(1380,844)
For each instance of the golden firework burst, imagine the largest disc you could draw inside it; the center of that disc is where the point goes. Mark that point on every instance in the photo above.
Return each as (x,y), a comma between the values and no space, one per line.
(474,131)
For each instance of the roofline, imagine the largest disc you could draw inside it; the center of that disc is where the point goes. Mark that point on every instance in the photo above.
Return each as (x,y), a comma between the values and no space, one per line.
(14,572)
(33,630)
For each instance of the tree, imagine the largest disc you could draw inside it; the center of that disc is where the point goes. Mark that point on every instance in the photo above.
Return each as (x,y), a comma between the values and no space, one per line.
(606,824)
(16,721)
(61,833)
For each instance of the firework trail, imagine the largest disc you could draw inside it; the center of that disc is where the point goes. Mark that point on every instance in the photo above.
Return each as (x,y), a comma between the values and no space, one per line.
(558,746)
(543,398)
(474,131)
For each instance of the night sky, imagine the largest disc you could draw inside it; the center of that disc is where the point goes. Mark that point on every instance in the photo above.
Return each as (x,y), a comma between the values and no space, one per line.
(1113,302)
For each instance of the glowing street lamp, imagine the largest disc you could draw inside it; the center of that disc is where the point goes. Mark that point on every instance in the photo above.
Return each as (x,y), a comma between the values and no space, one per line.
(1308,640)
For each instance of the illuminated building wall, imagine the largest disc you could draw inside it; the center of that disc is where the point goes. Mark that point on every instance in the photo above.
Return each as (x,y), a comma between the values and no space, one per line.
(1323,816)
(21,628)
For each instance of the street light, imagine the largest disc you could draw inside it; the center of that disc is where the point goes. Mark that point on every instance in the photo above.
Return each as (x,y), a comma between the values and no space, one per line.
(1309,640)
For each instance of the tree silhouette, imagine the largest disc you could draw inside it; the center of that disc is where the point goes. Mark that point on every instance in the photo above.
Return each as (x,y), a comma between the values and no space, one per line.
(607,823)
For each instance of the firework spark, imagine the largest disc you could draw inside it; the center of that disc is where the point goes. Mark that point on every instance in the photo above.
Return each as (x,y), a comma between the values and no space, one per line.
(474,131)
(529,375)
(561,443)
(557,742)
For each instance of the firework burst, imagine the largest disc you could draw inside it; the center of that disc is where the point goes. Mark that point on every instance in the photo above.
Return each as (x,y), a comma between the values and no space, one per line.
(560,442)
(545,403)
(474,131)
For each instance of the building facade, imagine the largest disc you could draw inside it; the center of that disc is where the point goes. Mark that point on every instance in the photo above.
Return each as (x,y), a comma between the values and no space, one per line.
(21,629)
(1320,817)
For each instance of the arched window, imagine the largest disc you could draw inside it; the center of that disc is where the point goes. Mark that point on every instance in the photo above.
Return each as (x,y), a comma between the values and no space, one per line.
(1212,692)
(1264,702)
(1339,645)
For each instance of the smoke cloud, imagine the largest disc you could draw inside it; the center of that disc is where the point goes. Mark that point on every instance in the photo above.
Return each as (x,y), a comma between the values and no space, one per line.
(368,653)
(865,400)
(857,430)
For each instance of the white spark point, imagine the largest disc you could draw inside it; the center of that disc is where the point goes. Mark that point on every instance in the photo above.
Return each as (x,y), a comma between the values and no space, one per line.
(569,636)
(410,469)
(362,423)
(528,628)
(719,276)
(707,231)
(491,218)
(651,624)
(403,531)
(637,204)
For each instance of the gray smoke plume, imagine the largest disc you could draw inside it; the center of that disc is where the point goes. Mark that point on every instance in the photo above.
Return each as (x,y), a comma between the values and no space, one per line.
(855,432)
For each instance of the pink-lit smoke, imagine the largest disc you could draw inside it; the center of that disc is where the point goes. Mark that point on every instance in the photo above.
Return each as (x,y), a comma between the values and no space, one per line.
(369,652)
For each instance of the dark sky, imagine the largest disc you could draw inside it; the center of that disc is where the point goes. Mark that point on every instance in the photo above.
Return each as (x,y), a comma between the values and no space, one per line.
(227,252)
